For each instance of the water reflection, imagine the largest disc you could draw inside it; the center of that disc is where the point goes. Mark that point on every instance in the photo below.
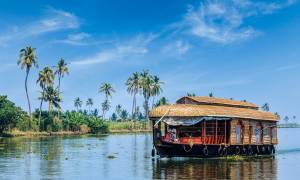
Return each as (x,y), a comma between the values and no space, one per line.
(263,168)
(87,157)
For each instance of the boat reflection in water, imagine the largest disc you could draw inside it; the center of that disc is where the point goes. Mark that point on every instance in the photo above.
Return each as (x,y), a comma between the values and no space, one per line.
(260,168)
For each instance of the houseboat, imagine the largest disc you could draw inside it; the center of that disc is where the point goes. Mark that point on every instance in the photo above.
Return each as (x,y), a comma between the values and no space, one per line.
(212,127)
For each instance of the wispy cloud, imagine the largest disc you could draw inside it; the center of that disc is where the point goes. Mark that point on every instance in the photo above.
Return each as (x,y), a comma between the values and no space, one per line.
(120,50)
(224,21)
(54,20)
(288,67)
(179,47)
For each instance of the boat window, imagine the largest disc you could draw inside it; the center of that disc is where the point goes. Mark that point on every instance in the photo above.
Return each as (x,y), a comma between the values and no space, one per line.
(257,135)
(190,131)
(210,128)
(238,134)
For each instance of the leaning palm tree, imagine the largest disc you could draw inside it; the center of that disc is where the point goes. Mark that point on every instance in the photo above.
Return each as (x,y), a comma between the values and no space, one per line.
(89,103)
(61,70)
(146,82)
(155,88)
(45,79)
(27,59)
(108,90)
(52,97)
(133,84)
(77,103)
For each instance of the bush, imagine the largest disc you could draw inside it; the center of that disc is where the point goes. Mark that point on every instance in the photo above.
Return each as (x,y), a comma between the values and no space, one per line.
(10,115)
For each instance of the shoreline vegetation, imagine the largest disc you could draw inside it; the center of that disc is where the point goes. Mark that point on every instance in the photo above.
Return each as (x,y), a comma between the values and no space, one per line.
(88,117)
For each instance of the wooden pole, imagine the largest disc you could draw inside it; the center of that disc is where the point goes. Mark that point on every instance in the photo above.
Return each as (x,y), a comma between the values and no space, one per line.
(216,139)
(225,133)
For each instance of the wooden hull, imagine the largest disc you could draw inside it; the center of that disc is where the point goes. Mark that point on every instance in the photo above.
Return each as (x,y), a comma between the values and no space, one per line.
(167,149)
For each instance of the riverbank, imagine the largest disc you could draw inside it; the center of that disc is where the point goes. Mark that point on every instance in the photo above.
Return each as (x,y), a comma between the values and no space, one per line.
(113,127)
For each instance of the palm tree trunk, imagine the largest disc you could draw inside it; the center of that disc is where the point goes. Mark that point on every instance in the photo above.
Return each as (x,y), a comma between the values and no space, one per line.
(58,113)
(50,106)
(41,104)
(28,100)
(132,112)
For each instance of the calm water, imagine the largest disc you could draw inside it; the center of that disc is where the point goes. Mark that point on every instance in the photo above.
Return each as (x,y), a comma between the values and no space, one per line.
(127,156)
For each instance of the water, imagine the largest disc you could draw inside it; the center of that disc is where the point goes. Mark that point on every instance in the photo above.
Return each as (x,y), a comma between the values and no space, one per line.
(127,156)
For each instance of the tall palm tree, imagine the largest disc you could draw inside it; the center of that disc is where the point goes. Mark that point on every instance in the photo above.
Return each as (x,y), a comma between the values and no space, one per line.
(52,96)
(89,103)
(133,84)
(45,79)
(108,90)
(146,82)
(27,59)
(77,103)
(61,70)
(155,88)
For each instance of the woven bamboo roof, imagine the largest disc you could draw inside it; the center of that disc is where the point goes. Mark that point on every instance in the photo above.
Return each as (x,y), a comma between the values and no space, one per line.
(216,101)
(193,110)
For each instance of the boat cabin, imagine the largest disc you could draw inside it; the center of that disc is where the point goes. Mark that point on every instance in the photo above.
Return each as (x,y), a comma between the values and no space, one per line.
(197,126)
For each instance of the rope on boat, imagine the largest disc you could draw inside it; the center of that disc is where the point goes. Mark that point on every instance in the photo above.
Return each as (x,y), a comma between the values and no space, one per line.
(191,143)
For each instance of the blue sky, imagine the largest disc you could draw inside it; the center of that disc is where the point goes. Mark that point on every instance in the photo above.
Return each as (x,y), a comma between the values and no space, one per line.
(238,48)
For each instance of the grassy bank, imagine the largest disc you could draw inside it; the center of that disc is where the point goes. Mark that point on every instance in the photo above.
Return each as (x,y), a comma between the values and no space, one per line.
(113,127)
(127,126)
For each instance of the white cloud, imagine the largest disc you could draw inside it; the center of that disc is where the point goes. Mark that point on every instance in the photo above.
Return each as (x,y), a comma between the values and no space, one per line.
(178,47)
(133,47)
(54,20)
(78,39)
(223,21)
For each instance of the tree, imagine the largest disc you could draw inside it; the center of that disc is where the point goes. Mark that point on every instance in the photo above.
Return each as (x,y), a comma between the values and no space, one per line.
(211,94)
(191,94)
(119,110)
(277,114)
(10,115)
(105,107)
(77,103)
(45,79)
(286,119)
(89,103)
(107,89)
(124,114)
(61,70)
(27,59)
(114,117)
(52,96)
(146,85)
(161,101)
(133,85)
(155,88)
(266,107)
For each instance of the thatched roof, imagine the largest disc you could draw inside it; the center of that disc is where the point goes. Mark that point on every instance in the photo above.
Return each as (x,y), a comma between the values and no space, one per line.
(192,110)
(215,101)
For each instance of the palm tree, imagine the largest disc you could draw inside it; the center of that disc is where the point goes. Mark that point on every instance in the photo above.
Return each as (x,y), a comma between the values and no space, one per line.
(161,101)
(119,109)
(133,84)
(211,94)
(107,89)
(191,94)
(146,82)
(27,59)
(89,103)
(45,79)
(61,70)
(77,103)
(52,96)
(266,107)
(155,88)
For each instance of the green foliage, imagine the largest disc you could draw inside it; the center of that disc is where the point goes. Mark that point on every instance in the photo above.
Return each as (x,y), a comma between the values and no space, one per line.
(10,115)
(161,101)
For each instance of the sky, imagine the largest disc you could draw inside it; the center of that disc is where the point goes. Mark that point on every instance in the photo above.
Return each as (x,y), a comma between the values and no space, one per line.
(240,49)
